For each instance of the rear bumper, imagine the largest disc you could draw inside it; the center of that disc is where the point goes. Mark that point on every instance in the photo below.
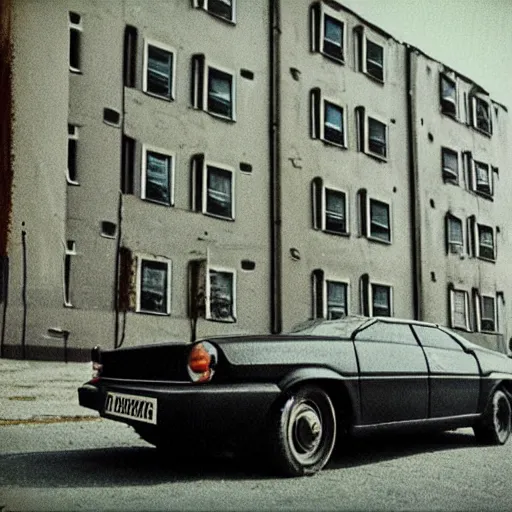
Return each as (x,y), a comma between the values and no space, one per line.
(218,410)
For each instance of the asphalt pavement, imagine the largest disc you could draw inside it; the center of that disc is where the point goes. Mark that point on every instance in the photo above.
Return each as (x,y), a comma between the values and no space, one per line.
(41,391)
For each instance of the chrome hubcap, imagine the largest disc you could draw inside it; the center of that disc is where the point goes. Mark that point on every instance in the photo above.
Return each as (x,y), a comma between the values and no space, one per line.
(305,431)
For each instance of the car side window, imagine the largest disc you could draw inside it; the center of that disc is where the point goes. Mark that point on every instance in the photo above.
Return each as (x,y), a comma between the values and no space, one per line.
(435,338)
(388,332)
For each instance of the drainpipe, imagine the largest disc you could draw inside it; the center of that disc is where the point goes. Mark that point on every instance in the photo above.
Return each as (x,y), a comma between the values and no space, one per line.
(414,191)
(275,170)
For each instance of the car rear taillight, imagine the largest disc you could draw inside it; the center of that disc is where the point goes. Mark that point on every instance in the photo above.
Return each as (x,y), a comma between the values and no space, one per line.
(97,367)
(202,360)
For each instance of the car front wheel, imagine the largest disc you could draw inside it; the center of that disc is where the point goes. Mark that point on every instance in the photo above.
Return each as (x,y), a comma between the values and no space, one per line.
(302,431)
(495,424)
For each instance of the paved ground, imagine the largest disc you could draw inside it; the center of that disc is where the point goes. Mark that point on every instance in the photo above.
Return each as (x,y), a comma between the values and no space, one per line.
(41,391)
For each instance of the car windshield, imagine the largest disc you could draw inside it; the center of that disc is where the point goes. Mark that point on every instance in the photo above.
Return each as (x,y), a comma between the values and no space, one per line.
(344,327)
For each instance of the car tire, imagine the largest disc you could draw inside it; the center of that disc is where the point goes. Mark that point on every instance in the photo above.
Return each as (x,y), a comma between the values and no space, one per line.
(494,426)
(302,431)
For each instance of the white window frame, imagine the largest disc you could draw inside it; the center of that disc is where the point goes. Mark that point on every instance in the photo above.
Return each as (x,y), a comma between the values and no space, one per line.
(317,105)
(203,170)
(69,251)
(205,6)
(480,312)
(474,119)
(477,241)
(446,98)
(208,297)
(75,137)
(365,40)
(447,173)
(363,117)
(201,69)
(323,220)
(77,27)
(325,297)
(453,291)
(172,78)
(455,247)
(474,176)
(138,306)
(371,284)
(172,155)
(318,17)
(369,221)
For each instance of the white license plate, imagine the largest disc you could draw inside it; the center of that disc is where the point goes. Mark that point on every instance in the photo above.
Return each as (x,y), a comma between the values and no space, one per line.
(134,407)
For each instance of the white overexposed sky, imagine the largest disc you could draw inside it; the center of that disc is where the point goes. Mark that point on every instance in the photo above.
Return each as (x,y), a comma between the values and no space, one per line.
(474,37)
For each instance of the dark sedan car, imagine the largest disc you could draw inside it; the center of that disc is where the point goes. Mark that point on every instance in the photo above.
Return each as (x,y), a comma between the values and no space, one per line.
(296,395)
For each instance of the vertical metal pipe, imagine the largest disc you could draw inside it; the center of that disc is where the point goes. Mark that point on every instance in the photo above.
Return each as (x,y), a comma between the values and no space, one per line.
(24,292)
(275,169)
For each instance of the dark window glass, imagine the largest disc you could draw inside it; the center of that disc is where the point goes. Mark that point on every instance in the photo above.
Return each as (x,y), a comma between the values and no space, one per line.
(333,124)
(483,179)
(336,300)
(374,60)
(158,177)
(333,37)
(153,286)
(379,220)
(221,296)
(335,220)
(74,49)
(221,8)
(483,115)
(435,338)
(377,137)
(485,242)
(159,72)
(72,153)
(127,165)
(448,96)
(219,200)
(220,94)
(450,165)
(488,314)
(388,332)
(381,300)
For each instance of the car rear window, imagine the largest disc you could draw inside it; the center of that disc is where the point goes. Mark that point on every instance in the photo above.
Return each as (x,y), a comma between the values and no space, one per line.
(388,332)
(435,338)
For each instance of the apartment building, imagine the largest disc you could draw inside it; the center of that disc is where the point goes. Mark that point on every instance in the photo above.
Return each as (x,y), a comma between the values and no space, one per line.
(186,168)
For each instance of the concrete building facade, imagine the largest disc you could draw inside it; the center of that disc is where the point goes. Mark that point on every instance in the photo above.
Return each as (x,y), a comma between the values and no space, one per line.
(187,168)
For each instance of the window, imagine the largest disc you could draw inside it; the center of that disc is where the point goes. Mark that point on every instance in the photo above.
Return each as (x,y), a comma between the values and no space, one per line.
(127,165)
(388,332)
(69,252)
(327,120)
(380,300)
(379,227)
(481,115)
(213,186)
(159,70)
(373,58)
(448,96)
(221,295)
(329,209)
(330,298)
(153,285)
(482,178)
(454,235)
(157,176)
(129,55)
(459,309)
(223,9)
(485,246)
(327,32)
(213,89)
(488,313)
(373,135)
(72,177)
(450,165)
(75,35)
(435,338)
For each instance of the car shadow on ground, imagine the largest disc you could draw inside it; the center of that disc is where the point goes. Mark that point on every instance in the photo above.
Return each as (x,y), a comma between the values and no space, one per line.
(138,466)
(357,452)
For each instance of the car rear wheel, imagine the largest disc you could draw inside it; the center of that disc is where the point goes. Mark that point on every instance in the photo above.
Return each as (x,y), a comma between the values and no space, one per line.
(302,431)
(495,424)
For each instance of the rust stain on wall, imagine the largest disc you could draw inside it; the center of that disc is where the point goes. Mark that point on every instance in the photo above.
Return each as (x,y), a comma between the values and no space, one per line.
(6,121)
